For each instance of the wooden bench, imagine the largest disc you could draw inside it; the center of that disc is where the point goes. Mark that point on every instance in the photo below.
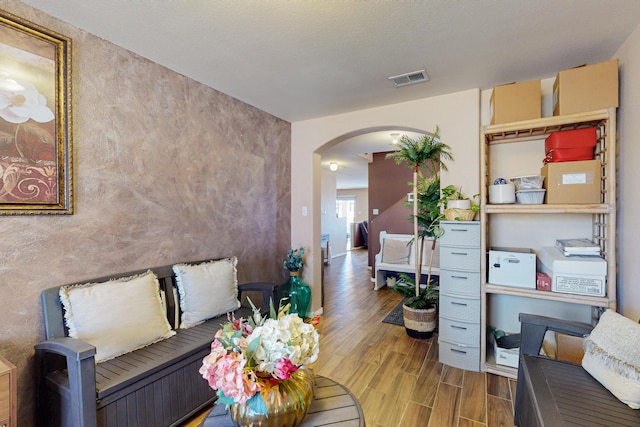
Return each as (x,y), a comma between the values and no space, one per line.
(557,393)
(158,385)
(382,268)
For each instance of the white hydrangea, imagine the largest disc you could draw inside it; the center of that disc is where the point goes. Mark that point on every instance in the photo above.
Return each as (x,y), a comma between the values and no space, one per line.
(288,337)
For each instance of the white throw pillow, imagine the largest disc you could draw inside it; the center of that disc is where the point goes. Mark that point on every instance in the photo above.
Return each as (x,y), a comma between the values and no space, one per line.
(117,316)
(395,251)
(612,356)
(206,290)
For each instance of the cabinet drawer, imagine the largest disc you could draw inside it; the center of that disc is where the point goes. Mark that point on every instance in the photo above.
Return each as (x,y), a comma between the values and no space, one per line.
(458,355)
(459,307)
(459,332)
(460,282)
(5,396)
(461,233)
(459,258)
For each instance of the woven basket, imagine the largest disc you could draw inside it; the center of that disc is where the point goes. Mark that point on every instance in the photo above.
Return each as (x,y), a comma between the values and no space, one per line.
(459,214)
(419,320)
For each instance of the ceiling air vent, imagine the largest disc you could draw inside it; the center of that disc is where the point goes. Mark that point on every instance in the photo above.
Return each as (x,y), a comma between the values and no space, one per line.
(409,78)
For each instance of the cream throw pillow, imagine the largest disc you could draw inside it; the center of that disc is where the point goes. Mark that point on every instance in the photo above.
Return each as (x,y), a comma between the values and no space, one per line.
(612,356)
(117,316)
(206,290)
(395,251)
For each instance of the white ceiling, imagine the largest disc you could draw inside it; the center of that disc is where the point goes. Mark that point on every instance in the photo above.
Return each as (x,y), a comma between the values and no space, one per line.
(305,59)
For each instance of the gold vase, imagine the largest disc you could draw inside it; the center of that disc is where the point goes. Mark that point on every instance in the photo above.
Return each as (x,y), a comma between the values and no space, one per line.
(287,403)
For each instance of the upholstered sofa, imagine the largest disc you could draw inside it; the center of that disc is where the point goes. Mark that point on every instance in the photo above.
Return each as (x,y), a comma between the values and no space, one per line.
(143,383)
(398,256)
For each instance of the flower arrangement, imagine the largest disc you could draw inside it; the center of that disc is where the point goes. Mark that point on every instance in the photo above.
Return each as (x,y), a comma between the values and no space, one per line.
(294,261)
(251,357)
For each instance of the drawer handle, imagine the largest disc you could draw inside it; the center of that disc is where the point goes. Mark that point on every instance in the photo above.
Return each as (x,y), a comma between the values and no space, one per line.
(459,277)
(458,327)
(458,303)
(455,350)
(459,253)
(459,229)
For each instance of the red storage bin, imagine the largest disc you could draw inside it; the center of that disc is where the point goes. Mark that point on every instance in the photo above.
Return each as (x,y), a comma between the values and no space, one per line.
(570,145)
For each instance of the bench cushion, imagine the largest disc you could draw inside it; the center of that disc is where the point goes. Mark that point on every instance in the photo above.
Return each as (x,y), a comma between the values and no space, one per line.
(206,290)
(395,251)
(116,316)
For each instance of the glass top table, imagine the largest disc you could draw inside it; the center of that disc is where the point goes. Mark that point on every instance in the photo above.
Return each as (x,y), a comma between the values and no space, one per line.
(333,404)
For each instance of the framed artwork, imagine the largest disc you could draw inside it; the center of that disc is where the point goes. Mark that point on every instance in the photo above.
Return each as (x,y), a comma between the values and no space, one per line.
(35,119)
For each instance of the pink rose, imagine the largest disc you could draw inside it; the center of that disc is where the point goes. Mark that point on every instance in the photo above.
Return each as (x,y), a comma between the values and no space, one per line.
(284,369)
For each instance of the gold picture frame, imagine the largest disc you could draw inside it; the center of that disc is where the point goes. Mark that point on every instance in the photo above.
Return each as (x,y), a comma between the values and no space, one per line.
(35,119)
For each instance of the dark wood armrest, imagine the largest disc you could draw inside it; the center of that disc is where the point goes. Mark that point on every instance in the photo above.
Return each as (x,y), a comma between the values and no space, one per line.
(80,378)
(68,347)
(533,328)
(532,331)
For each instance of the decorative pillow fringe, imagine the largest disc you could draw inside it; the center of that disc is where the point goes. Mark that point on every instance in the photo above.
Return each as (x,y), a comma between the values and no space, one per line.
(618,366)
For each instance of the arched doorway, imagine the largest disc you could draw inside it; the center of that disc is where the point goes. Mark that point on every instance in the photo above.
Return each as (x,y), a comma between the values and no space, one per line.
(354,152)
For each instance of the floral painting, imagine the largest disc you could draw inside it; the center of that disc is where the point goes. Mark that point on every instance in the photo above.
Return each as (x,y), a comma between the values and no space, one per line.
(34,113)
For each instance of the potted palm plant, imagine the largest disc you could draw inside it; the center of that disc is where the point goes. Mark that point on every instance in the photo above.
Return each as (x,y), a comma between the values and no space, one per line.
(424,154)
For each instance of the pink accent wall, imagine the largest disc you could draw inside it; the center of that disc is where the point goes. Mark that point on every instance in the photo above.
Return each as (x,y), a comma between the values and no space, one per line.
(166,170)
(388,188)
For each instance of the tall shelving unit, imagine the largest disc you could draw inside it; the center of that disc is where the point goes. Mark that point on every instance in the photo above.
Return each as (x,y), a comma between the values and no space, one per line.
(603,214)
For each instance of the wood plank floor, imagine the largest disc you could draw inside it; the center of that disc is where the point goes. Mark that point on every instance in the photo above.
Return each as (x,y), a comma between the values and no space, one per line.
(397,379)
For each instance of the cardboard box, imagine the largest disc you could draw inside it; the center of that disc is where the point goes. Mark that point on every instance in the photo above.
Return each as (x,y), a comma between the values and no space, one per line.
(514,102)
(586,88)
(512,267)
(573,275)
(569,348)
(572,182)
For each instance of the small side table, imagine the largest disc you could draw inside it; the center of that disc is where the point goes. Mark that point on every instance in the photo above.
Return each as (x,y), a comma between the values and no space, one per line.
(332,404)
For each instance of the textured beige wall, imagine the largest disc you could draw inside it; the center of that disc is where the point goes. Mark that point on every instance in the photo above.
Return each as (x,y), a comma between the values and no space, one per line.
(166,170)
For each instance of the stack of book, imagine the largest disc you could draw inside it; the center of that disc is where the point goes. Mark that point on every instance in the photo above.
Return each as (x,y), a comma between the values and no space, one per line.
(578,247)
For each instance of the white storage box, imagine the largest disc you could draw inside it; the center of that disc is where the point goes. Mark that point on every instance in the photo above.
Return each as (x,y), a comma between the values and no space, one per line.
(512,267)
(506,356)
(574,275)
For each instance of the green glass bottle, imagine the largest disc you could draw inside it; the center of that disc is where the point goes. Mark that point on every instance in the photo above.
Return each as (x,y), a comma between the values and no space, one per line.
(296,292)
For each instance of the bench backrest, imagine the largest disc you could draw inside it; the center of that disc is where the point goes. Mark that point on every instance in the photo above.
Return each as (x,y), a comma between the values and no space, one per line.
(53,311)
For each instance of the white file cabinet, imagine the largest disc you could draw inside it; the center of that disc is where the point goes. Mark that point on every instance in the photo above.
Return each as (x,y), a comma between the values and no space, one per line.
(459,322)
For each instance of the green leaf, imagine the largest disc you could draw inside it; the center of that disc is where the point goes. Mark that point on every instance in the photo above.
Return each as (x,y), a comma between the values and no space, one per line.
(272,310)
(256,403)
(224,399)
(251,348)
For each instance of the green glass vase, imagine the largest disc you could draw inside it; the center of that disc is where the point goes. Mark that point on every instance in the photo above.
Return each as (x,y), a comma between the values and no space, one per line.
(297,293)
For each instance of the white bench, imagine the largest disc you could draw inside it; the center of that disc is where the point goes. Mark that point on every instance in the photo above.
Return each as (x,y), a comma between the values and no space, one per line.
(397,257)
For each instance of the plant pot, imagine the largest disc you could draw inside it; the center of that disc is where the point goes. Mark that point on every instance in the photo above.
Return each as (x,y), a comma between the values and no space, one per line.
(419,323)
(459,204)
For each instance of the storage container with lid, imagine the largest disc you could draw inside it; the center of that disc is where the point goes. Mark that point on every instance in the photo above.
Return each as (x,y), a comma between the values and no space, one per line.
(570,145)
